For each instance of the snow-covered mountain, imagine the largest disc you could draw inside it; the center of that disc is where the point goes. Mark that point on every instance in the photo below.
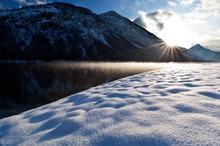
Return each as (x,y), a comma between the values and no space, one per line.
(204,53)
(63,31)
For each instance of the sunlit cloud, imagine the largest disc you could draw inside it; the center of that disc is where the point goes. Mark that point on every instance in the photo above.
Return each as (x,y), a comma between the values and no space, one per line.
(172,4)
(199,21)
(168,26)
(206,8)
(188,28)
(212,40)
(172,28)
(186,2)
(153,21)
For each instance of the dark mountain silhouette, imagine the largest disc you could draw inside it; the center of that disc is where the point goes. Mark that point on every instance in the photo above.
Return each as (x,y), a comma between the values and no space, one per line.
(61,31)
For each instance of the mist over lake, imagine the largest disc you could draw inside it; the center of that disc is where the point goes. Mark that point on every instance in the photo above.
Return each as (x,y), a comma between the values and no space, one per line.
(28,85)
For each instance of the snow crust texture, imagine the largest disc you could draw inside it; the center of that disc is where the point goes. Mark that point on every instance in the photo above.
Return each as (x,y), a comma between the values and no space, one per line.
(175,106)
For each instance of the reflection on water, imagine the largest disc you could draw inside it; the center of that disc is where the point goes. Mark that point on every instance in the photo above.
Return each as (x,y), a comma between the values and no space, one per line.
(27,85)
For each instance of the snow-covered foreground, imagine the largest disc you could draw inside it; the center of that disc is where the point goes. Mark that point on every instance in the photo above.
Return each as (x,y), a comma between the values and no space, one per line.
(179,105)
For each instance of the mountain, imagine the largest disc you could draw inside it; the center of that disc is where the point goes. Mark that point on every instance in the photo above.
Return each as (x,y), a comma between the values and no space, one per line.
(60,31)
(204,54)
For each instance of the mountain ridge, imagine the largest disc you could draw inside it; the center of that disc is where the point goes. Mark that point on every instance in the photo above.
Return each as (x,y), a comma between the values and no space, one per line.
(204,53)
(60,31)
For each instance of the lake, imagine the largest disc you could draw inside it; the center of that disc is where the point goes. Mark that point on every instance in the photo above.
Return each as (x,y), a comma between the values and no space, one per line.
(26,85)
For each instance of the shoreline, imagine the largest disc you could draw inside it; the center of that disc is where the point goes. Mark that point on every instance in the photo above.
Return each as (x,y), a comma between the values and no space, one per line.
(41,83)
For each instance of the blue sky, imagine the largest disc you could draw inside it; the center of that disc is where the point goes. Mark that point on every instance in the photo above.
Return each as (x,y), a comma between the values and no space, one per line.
(182,22)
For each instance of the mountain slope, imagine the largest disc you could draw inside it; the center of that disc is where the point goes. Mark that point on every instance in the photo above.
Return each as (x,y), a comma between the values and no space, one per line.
(63,31)
(127,29)
(204,53)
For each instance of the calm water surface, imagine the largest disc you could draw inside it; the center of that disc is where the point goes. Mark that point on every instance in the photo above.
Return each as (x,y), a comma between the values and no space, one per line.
(28,85)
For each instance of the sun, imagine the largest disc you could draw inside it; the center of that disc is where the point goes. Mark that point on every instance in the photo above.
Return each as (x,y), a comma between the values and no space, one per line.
(177,33)
(179,37)
(172,38)
(171,42)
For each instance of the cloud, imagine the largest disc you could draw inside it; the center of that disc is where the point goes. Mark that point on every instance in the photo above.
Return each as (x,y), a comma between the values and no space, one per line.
(204,20)
(212,40)
(208,8)
(160,25)
(159,14)
(138,3)
(1,6)
(24,2)
(140,21)
(172,4)
(199,25)
(171,27)
(31,2)
(41,2)
(186,2)
(154,21)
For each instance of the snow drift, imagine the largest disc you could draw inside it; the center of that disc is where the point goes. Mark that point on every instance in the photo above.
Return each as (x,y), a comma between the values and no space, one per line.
(175,106)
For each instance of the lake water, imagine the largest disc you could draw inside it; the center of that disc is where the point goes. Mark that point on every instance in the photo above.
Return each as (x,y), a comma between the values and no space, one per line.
(25,86)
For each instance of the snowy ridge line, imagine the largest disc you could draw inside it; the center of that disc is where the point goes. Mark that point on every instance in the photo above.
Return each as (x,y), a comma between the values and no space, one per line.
(68,32)
(175,106)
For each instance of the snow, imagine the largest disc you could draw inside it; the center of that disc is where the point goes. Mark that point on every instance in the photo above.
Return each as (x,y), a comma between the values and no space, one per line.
(84,54)
(178,105)
(124,27)
(136,45)
(204,53)
(100,37)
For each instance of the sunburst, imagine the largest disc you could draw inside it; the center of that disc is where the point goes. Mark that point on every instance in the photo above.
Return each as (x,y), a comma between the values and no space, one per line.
(169,51)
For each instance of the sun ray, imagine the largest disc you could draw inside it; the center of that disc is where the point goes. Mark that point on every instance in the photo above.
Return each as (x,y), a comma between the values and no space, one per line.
(169,53)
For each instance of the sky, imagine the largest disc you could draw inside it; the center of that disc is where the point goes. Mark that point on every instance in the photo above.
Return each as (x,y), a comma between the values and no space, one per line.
(178,22)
